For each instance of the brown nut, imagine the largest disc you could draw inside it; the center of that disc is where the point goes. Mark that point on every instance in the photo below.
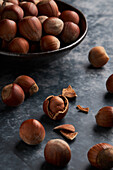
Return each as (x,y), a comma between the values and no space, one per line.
(12,95)
(56,107)
(19,45)
(10,32)
(49,43)
(31,28)
(42,18)
(2,6)
(13,12)
(109,84)
(29,8)
(101,156)
(57,152)
(71,16)
(48,8)
(98,56)
(104,117)
(27,84)
(32,132)
(13,1)
(70,32)
(34,1)
(53,26)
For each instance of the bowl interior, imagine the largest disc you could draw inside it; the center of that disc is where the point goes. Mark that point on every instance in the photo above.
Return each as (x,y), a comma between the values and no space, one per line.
(43,57)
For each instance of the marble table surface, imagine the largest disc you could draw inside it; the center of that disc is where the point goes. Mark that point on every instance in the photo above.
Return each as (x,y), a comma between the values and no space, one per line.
(89,84)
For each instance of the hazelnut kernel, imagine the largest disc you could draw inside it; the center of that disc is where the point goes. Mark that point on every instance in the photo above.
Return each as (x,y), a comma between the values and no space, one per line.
(98,56)
(32,132)
(57,152)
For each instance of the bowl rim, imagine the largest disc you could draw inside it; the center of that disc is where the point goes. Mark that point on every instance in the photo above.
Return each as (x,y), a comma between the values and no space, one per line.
(21,55)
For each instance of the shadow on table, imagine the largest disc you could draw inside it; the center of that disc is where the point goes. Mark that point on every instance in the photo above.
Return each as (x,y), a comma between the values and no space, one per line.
(108,97)
(46,166)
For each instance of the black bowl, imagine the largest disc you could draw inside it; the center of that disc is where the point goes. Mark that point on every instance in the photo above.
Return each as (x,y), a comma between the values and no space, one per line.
(46,57)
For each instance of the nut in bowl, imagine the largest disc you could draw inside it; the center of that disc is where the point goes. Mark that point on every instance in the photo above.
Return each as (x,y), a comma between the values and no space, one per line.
(41,56)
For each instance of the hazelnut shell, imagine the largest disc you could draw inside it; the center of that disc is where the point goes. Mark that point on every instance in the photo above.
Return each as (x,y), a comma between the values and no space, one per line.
(29,8)
(58,115)
(109,84)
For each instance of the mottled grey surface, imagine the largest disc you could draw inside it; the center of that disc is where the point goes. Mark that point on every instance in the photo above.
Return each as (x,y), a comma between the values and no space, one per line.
(89,84)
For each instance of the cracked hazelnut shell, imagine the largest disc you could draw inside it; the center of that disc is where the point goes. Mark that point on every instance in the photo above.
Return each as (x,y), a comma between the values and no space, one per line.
(56,107)
(27,84)
(101,156)
(57,152)
(32,132)
(12,95)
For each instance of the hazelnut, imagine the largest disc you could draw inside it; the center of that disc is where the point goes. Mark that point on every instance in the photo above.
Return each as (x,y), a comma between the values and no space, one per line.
(104,117)
(13,1)
(48,8)
(49,43)
(70,32)
(56,107)
(71,16)
(109,84)
(13,12)
(53,26)
(42,18)
(101,156)
(98,56)
(34,1)
(19,45)
(12,95)
(31,28)
(29,8)
(57,152)
(10,32)
(32,132)
(27,84)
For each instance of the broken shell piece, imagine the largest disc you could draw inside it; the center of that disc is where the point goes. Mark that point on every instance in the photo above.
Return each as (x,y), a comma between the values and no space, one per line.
(69,135)
(69,92)
(83,109)
(67,127)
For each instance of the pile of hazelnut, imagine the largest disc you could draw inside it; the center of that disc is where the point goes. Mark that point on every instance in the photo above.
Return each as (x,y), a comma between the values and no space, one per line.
(36,26)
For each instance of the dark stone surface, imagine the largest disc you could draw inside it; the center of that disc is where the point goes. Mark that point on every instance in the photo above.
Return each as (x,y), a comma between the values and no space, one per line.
(89,84)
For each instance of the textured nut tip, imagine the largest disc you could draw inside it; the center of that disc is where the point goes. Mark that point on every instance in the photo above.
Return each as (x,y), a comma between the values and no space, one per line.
(33,89)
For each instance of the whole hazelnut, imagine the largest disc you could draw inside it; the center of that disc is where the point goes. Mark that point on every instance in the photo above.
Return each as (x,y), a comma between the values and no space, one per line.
(49,43)
(101,156)
(48,8)
(32,132)
(109,84)
(57,152)
(13,1)
(42,18)
(12,95)
(29,8)
(31,28)
(104,117)
(27,84)
(53,26)
(70,32)
(98,56)
(19,45)
(13,12)
(56,107)
(71,16)
(10,32)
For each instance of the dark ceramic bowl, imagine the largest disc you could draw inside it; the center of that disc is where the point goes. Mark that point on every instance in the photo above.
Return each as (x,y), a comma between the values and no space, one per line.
(46,57)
